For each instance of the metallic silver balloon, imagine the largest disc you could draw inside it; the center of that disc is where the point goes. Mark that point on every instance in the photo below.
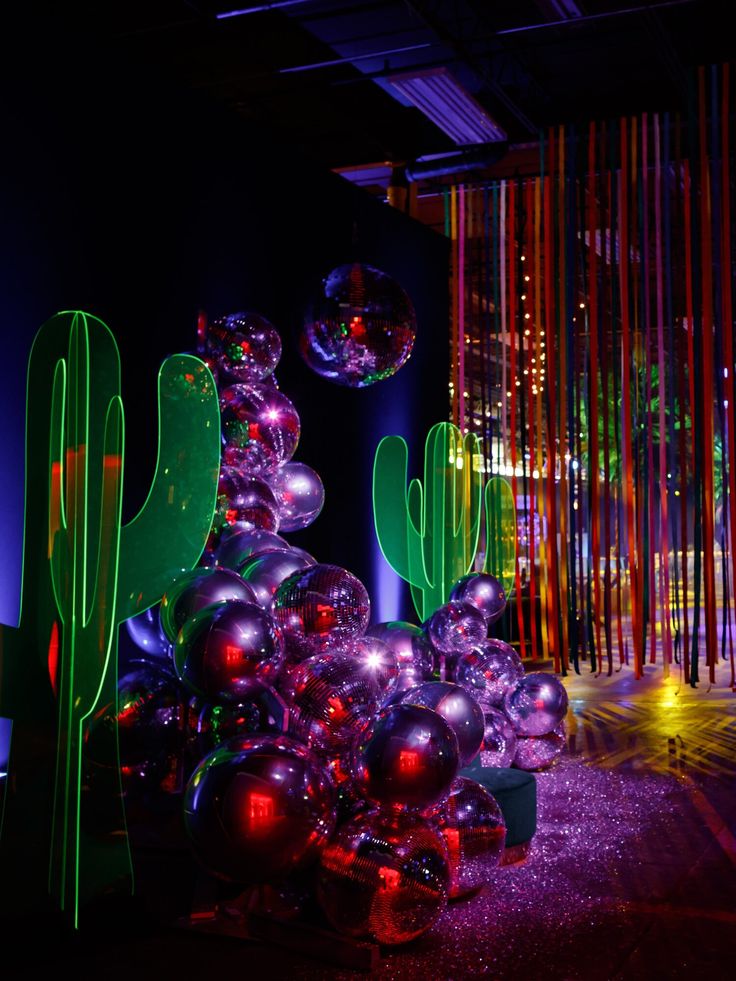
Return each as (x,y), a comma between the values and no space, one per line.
(330,701)
(455,628)
(244,346)
(258,807)
(458,708)
(411,647)
(225,652)
(193,591)
(537,752)
(408,756)
(482,591)
(265,571)
(490,671)
(146,632)
(239,543)
(300,495)
(474,830)
(209,724)
(246,501)
(537,705)
(321,608)
(260,428)
(384,876)
(499,739)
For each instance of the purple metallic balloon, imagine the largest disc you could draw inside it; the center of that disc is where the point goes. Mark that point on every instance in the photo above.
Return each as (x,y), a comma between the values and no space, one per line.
(537,705)
(244,346)
(458,708)
(537,752)
(376,661)
(474,830)
(257,808)
(260,428)
(499,739)
(300,495)
(265,571)
(482,591)
(455,628)
(238,543)
(209,724)
(225,652)
(321,608)
(384,876)
(147,723)
(408,756)
(361,328)
(146,632)
(330,701)
(246,501)
(412,649)
(490,671)
(193,591)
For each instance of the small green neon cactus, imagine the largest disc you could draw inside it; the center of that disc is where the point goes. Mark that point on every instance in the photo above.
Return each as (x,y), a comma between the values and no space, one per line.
(84,573)
(429,533)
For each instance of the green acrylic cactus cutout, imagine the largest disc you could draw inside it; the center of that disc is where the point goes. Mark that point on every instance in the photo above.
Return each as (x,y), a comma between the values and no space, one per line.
(428,532)
(500,531)
(83,574)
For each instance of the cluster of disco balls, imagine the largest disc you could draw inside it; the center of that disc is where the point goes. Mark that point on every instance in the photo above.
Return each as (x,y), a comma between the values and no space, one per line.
(300,741)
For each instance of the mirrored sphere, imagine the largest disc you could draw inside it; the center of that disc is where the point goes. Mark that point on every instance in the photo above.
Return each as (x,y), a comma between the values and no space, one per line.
(224,650)
(537,705)
(260,428)
(412,649)
(146,632)
(455,628)
(376,661)
(265,571)
(474,830)
(246,501)
(490,671)
(193,591)
(244,346)
(300,495)
(258,807)
(408,755)
(330,700)
(360,329)
(537,752)
(482,591)
(458,708)
(384,876)
(210,724)
(238,543)
(321,608)
(499,739)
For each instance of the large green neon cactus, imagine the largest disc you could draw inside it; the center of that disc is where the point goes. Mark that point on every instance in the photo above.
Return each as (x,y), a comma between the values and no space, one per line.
(429,533)
(83,575)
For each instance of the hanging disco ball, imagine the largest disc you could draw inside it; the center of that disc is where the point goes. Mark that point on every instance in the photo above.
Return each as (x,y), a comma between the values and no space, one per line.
(360,329)
(384,876)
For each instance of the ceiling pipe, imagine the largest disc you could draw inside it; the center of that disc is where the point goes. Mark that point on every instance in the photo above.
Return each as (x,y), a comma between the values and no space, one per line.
(588,18)
(445,164)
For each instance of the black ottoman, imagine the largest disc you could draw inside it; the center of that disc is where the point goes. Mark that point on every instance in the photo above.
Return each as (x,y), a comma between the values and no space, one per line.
(516,793)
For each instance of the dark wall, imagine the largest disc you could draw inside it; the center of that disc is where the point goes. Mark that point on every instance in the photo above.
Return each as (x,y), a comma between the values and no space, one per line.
(141,204)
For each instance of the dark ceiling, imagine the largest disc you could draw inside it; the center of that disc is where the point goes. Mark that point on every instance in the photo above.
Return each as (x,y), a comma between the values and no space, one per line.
(312,72)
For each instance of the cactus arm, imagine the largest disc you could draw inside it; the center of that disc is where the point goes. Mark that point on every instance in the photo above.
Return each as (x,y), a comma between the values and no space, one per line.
(170,531)
(500,560)
(472,490)
(397,512)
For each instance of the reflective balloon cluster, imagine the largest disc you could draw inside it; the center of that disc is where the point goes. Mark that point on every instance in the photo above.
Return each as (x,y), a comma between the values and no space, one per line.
(360,329)
(296,738)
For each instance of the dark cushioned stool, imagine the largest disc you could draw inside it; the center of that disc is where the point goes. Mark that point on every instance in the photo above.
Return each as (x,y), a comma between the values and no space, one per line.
(516,793)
